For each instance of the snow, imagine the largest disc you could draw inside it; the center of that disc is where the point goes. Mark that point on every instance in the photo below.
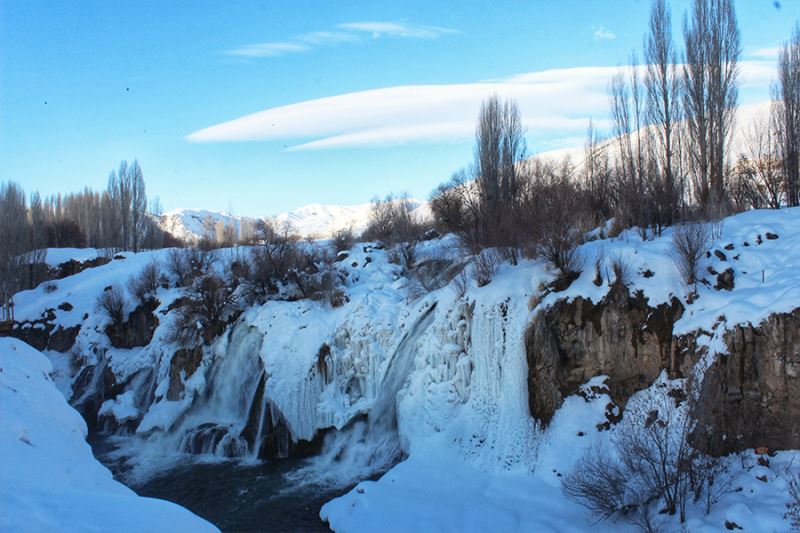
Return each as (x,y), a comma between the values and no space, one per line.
(49,480)
(313,220)
(122,408)
(462,413)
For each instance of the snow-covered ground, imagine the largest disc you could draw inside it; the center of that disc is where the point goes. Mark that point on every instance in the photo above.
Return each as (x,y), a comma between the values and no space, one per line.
(476,459)
(49,480)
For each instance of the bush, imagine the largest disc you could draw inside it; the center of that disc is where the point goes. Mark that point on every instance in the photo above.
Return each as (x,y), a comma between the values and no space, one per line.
(209,302)
(621,269)
(187,264)
(112,302)
(690,242)
(391,221)
(343,239)
(144,285)
(485,267)
(652,460)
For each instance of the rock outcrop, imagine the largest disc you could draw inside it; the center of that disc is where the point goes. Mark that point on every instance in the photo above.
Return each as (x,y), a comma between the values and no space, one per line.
(749,397)
(621,337)
(137,330)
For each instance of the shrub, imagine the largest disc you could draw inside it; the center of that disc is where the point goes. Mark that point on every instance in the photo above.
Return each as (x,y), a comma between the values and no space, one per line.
(187,264)
(343,239)
(144,285)
(208,304)
(652,459)
(690,241)
(485,267)
(112,302)
(391,221)
(621,269)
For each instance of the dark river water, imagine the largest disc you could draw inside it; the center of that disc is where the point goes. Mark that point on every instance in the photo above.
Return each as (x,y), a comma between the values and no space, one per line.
(234,496)
(243,497)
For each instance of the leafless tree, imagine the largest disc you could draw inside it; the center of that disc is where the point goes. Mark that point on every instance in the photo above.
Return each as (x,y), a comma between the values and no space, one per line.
(710,73)
(144,284)
(787,93)
(690,242)
(662,87)
(499,146)
(203,315)
(758,174)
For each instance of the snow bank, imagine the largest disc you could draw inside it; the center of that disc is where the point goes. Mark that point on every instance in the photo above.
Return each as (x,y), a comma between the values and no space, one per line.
(49,480)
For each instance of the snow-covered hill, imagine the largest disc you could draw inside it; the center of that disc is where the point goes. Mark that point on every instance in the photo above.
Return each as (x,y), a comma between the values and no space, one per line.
(49,480)
(191,225)
(313,220)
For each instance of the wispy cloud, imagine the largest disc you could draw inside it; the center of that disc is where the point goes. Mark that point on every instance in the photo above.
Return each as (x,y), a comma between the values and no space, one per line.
(602,34)
(268,49)
(762,52)
(392,29)
(555,105)
(350,32)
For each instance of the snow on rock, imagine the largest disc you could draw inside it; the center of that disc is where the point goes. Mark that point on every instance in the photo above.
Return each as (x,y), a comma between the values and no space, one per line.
(49,480)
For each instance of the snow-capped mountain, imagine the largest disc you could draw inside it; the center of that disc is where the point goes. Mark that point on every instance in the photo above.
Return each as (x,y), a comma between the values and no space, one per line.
(313,220)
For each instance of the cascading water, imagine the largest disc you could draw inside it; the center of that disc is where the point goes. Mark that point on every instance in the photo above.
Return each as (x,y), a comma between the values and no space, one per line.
(367,447)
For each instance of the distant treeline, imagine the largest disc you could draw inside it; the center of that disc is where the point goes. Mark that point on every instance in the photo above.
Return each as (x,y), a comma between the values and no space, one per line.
(114,219)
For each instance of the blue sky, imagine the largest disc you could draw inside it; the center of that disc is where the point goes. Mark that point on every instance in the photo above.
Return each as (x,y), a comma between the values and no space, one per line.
(85,84)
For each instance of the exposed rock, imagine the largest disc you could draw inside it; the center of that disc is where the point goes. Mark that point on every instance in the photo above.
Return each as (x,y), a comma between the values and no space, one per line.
(137,330)
(94,385)
(751,397)
(725,280)
(184,362)
(72,267)
(62,339)
(621,337)
(771,236)
(720,255)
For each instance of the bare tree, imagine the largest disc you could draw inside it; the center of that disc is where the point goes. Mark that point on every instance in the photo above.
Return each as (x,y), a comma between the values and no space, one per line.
(710,75)
(787,93)
(662,86)
(758,174)
(138,205)
(690,242)
(500,145)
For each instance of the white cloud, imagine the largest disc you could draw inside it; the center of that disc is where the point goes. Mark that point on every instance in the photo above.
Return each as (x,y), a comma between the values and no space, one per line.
(393,29)
(763,52)
(268,49)
(602,34)
(350,32)
(555,105)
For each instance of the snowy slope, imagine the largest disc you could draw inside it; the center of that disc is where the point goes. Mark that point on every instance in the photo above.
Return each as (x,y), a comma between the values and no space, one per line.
(49,480)
(747,117)
(191,225)
(313,220)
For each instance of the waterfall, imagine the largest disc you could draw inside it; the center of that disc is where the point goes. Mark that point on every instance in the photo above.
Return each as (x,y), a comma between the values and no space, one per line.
(367,447)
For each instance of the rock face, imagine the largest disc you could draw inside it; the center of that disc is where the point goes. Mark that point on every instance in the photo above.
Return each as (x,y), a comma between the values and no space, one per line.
(748,398)
(752,395)
(621,337)
(43,335)
(137,330)
(183,364)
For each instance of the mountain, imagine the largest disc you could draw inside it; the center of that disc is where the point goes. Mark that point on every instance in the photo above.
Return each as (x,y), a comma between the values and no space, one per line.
(313,220)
